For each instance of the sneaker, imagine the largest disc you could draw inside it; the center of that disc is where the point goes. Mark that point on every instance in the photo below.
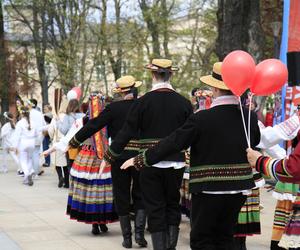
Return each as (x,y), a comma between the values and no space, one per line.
(45,165)
(20,173)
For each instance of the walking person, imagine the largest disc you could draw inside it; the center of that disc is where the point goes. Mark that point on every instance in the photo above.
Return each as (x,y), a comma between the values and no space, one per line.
(73,113)
(126,185)
(37,121)
(46,141)
(7,131)
(220,175)
(24,142)
(90,197)
(155,115)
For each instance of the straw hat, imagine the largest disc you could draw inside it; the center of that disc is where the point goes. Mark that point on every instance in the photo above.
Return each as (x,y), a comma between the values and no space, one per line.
(215,79)
(161,65)
(125,83)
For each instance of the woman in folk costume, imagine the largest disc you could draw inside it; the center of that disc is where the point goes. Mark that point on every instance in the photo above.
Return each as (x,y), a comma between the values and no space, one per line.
(125,183)
(90,196)
(7,131)
(285,170)
(285,193)
(23,142)
(201,99)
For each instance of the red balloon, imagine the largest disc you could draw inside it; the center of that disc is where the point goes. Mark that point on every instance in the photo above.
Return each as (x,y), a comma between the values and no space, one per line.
(78,92)
(270,76)
(238,70)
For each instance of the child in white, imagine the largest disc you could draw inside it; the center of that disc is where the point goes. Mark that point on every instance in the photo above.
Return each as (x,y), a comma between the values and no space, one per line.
(6,134)
(24,140)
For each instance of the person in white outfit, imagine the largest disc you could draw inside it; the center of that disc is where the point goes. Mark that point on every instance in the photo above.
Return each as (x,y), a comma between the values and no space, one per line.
(6,133)
(23,143)
(37,120)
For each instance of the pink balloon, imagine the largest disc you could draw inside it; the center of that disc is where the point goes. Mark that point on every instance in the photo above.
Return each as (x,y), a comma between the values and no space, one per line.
(78,92)
(270,76)
(238,70)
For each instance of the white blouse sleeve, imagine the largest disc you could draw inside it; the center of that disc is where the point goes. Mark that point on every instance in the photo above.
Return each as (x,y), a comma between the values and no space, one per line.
(64,141)
(287,130)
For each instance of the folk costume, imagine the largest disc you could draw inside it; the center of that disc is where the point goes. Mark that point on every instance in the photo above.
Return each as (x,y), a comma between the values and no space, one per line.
(155,115)
(113,117)
(220,176)
(285,170)
(90,197)
(285,193)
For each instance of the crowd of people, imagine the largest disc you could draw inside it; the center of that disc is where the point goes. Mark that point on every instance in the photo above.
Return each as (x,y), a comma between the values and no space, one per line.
(159,156)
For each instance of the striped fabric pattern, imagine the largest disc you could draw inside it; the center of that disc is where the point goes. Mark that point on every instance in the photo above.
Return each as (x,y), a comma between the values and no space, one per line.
(90,197)
(249,216)
(282,215)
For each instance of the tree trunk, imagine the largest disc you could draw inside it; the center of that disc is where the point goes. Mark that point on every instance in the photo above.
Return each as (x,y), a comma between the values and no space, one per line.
(4,83)
(233,22)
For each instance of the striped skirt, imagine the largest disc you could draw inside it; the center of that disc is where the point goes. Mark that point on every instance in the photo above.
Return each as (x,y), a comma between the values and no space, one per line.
(291,236)
(249,216)
(90,197)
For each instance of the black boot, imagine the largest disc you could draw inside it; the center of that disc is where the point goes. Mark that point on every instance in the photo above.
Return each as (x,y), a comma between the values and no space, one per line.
(172,237)
(139,224)
(60,176)
(66,177)
(239,243)
(103,228)
(126,231)
(274,245)
(95,230)
(159,240)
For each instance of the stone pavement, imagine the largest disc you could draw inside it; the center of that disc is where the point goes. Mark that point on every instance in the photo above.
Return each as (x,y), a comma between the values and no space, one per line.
(33,218)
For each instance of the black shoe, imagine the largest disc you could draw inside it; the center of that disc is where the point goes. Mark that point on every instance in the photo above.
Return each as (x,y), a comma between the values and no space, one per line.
(103,228)
(41,172)
(20,173)
(30,180)
(159,240)
(172,237)
(61,182)
(95,230)
(126,231)
(45,165)
(139,224)
(66,186)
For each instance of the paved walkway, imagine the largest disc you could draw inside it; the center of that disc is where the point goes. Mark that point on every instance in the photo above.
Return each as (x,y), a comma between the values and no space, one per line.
(33,218)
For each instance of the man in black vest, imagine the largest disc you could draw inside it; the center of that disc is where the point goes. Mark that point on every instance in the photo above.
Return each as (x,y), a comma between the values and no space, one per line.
(220,176)
(155,115)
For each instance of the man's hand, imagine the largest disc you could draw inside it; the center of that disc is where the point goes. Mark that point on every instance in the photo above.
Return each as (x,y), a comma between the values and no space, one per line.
(252,156)
(48,152)
(127,164)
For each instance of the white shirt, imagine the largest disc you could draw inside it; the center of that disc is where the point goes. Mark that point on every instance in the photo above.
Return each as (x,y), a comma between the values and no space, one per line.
(37,120)
(6,134)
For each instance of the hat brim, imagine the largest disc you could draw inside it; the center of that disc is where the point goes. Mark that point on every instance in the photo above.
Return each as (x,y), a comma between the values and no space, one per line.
(156,68)
(122,90)
(213,82)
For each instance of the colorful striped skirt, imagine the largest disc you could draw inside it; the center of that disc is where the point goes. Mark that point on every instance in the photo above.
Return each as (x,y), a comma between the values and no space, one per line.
(291,236)
(249,216)
(90,197)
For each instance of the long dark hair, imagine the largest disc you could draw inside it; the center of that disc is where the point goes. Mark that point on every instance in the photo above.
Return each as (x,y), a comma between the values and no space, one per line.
(26,113)
(73,107)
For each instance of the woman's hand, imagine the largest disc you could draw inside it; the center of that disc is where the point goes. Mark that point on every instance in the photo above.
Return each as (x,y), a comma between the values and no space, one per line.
(252,156)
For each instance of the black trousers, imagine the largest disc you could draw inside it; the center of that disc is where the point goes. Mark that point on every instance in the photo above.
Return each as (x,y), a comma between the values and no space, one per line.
(213,220)
(160,190)
(126,187)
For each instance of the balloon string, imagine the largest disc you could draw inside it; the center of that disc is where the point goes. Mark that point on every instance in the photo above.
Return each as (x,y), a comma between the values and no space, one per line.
(244,124)
(249,118)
